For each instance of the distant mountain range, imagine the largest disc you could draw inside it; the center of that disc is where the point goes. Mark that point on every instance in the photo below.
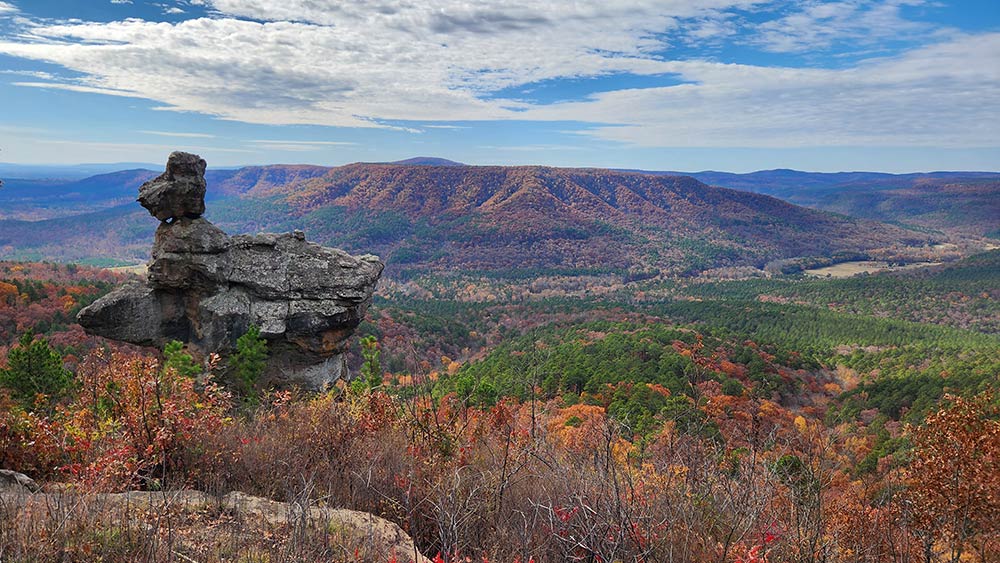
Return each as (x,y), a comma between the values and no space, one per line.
(46,198)
(432,217)
(964,202)
(427,161)
(66,172)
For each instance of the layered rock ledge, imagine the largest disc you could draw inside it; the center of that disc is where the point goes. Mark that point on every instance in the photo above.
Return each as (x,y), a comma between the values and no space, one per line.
(206,288)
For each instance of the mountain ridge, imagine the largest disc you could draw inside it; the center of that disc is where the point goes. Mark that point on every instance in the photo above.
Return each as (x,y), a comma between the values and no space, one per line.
(495,218)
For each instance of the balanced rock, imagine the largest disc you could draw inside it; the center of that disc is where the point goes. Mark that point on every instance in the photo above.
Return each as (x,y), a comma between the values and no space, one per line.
(206,289)
(179,191)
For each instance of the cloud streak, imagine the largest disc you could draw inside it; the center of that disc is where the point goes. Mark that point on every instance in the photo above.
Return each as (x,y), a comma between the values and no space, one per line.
(179,135)
(298,146)
(927,97)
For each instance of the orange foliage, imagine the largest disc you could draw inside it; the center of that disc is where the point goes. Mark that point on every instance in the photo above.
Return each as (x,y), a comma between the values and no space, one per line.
(955,476)
(8,294)
(129,425)
(578,427)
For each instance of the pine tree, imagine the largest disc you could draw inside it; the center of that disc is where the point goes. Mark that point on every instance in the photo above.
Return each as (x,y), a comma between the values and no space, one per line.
(33,369)
(371,369)
(250,357)
(175,358)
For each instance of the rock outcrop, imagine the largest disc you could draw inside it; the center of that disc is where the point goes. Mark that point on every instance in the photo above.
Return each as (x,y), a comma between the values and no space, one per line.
(206,288)
(12,480)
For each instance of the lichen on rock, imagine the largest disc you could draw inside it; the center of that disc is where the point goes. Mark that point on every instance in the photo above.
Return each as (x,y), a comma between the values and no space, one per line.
(206,288)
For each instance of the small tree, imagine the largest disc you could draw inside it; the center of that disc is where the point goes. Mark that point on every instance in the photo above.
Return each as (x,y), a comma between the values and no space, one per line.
(371,369)
(250,357)
(955,476)
(176,359)
(34,369)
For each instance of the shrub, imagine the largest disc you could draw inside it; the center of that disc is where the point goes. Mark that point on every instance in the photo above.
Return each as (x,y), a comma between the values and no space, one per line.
(133,422)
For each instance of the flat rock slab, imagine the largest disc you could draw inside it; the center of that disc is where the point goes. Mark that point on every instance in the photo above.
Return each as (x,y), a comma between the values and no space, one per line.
(381,538)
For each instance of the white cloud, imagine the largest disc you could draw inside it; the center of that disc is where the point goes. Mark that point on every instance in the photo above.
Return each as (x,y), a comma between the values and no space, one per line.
(372,63)
(136,147)
(351,64)
(818,25)
(933,96)
(31,73)
(298,146)
(80,88)
(317,143)
(7,8)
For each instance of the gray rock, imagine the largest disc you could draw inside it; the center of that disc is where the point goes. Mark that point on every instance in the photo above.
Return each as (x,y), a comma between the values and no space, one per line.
(131,313)
(196,236)
(14,480)
(206,289)
(179,191)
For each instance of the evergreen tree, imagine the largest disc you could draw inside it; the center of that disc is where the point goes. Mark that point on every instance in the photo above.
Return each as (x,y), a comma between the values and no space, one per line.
(34,368)
(176,359)
(371,369)
(250,357)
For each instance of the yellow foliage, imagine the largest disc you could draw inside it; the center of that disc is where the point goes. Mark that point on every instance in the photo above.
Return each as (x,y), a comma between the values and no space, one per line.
(800,424)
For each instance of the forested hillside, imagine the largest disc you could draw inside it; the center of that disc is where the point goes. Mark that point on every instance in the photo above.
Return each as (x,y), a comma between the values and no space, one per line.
(694,419)
(961,202)
(446,218)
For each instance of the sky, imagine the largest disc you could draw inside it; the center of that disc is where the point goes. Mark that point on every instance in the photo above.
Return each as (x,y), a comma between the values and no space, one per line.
(688,85)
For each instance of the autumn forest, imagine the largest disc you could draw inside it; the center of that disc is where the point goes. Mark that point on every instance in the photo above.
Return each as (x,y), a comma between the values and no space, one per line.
(557,418)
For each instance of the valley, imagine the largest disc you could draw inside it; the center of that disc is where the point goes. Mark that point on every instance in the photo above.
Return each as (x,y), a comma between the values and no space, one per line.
(850,269)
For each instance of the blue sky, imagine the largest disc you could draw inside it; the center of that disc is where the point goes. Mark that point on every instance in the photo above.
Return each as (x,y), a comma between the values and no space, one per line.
(736,85)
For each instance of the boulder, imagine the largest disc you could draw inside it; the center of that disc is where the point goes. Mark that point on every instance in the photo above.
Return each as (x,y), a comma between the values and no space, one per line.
(179,191)
(12,480)
(206,288)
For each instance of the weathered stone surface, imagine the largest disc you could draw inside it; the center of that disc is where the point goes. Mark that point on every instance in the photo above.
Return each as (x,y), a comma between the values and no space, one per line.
(195,236)
(131,313)
(14,480)
(206,288)
(179,191)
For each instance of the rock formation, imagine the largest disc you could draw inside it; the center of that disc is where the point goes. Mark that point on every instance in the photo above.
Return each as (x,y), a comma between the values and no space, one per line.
(206,288)
(178,192)
(14,481)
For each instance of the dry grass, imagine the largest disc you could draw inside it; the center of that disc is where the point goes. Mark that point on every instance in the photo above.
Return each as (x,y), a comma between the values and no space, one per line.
(850,269)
